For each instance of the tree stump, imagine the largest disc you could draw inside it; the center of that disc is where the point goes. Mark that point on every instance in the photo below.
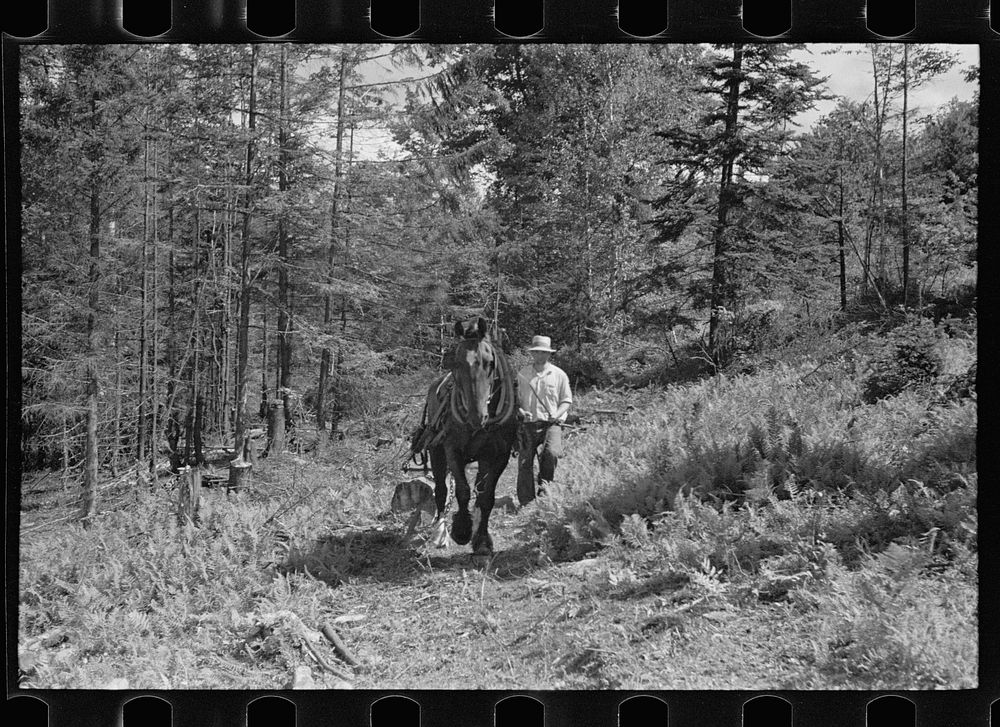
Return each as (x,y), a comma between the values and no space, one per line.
(188,495)
(276,435)
(241,467)
(413,494)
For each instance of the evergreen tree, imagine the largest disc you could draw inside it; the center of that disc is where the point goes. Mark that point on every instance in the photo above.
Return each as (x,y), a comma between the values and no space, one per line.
(717,165)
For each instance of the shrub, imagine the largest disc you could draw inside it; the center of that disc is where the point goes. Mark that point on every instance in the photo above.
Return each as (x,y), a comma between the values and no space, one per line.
(945,447)
(686,364)
(958,303)
(960,386)
(891,624)
(909,358)
(781,436)
(584,367)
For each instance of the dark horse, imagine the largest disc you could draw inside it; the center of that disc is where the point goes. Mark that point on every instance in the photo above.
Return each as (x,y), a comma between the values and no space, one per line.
(470,416)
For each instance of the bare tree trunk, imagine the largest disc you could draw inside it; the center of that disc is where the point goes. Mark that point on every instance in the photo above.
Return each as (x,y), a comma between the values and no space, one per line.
(276,439)
(88,500)
(154,437)
(188,434)
(876,180)
(588,319)
(263,361)
(140,431)
(582,327)
(338,409)
(193,433)
(171,413)
(841,252)
(240,469)
(906,225)
(284,303)
(876,205)
(199,426)
(324,365)
(227,313)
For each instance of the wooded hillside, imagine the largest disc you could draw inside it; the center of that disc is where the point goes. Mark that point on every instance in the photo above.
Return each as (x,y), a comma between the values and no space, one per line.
(249,260)
(206,246)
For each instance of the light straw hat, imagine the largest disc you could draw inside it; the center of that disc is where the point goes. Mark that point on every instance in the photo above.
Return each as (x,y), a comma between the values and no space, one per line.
(541,343)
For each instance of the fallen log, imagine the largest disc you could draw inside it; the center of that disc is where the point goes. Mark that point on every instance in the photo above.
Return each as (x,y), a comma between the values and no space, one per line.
(337,672)
(340,647)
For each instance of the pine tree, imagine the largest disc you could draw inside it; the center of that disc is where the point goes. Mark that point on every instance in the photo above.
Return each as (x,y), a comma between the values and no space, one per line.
(755,91)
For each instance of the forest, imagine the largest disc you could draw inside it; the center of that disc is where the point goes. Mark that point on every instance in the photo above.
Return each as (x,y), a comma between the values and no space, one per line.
(248,260)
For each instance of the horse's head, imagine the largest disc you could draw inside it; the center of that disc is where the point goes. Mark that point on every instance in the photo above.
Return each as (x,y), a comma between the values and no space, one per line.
(475,369)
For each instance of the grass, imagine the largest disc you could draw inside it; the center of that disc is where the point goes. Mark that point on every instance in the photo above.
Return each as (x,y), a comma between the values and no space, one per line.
(758,531)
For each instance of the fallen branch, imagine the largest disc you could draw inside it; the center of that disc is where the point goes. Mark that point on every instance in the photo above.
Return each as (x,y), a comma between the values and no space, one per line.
(340,647)
(35,527)
(323,663)
(288,624)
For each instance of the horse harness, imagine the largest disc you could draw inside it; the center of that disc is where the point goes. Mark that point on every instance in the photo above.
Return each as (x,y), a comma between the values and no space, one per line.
(430,434)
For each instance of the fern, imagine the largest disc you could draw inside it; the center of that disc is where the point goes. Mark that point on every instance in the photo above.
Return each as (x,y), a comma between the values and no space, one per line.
(774,442)
(635,531)
(138,623)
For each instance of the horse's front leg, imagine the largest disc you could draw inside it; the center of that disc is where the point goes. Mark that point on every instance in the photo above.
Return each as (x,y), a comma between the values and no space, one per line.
(486,484)
(439,469)
(461,521)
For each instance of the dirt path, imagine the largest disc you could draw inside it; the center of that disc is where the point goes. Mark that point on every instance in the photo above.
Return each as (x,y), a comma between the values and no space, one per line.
(432,619)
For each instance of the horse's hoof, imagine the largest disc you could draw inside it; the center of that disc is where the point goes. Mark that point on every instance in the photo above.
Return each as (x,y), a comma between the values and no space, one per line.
(483,546)
(461,527)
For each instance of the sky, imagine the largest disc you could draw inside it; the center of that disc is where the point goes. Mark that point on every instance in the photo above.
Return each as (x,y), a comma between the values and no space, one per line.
(848,74)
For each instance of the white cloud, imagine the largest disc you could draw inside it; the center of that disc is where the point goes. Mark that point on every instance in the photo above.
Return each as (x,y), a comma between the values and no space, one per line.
(847,66)
(849,71)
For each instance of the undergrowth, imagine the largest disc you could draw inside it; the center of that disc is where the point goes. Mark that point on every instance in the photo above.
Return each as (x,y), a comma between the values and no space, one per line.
(176,601)
(788,486)
(795,485)
(748,438)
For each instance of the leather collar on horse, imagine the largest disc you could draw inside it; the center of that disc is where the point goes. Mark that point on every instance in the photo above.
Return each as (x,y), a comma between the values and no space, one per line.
(453,401)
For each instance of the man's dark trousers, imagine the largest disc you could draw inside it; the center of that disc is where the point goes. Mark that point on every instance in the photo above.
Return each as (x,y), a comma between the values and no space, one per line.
(530,436)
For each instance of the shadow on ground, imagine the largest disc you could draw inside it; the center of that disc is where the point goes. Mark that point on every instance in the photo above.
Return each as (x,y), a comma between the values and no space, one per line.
(388,554)
(508,563)
(379,553)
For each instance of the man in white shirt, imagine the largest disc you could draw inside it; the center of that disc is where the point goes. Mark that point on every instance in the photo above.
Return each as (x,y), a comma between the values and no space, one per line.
(543,399)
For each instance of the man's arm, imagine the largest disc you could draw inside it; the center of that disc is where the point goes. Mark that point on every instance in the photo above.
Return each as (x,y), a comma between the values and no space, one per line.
(565,398)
